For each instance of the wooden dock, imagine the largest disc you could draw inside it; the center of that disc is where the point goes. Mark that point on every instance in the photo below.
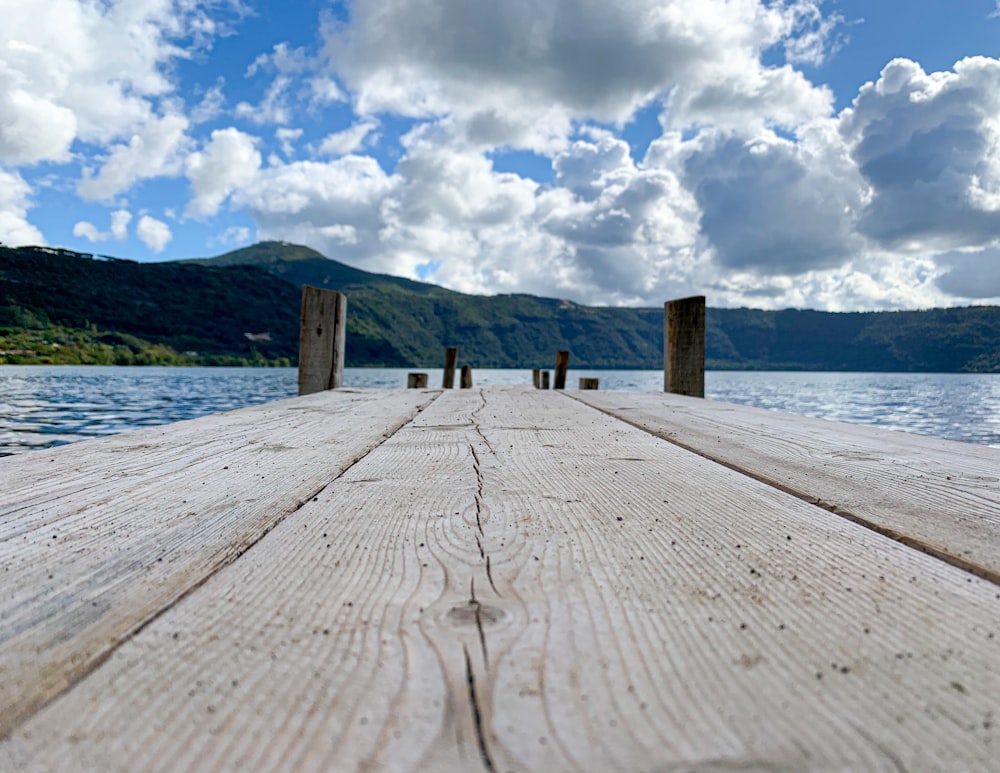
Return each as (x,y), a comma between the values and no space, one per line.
(501,579)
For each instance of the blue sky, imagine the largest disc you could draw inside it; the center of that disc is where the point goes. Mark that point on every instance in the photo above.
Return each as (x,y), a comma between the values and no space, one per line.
(836,155)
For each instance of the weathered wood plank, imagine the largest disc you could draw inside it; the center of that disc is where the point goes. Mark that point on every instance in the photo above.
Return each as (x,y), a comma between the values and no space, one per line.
(937,495)
(636,607)
(98,537)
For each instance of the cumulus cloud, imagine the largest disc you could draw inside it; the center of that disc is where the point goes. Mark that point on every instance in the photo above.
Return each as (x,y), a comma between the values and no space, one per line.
(927,146)
(119,224)
(349,140)
(229,161)
(119,228)
(76,70)
(155,150)
(559,60)
(287,139)
(154,233)
(973,274)
(769,204)
(15,201)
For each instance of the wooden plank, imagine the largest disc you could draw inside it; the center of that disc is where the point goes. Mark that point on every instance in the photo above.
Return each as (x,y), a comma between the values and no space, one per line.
(322,337)
(98,537)
(516,582)
(936,495)
(684,346)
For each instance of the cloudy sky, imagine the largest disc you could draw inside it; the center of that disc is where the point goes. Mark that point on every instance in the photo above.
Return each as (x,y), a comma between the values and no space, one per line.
(837,154)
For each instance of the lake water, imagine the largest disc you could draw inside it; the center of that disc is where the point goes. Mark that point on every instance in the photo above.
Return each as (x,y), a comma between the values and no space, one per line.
(43,406)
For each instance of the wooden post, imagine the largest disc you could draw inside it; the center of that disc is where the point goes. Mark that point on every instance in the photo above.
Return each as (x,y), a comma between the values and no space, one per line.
(684,346)
(450,361)
(322,335)
(536,378)
(562,363)
(589,383)
(545,379)
(416,381)
(466,377)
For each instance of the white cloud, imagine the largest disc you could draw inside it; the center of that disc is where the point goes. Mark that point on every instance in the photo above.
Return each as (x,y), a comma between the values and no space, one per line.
(530,61)
(229,161)
(119,224)
(349,140)
(74,70)
(15,201)
(772,205)
(154,233)
(119,228)
(274,108)
(287,138)
(88,231)
(154,150)
(232,236)
(928,145)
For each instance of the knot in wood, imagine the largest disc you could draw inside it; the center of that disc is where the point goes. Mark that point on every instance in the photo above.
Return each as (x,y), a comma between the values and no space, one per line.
(472,613)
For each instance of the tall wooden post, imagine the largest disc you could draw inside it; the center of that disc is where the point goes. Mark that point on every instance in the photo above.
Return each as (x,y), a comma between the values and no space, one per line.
(684,346)
(545,379)
(562,364)
(536,378)
(450,361)
(466,377)
(322,335)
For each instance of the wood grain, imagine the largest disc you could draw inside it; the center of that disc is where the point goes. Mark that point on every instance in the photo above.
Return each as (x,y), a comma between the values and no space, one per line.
(98,537)
(514,581)
(936,495)
(322,338)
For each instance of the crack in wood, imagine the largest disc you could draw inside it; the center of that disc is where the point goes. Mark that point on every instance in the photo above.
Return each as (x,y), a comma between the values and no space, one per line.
(489,576)
(477,716)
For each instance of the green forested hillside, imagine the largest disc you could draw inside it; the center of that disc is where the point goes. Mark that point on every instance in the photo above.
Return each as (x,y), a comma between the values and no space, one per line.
(59,306)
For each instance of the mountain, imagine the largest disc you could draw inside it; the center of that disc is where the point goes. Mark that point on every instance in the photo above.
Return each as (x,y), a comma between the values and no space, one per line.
(243,307)
(70,307)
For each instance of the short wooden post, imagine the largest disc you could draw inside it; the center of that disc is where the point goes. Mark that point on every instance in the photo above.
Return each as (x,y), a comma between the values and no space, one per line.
(545,379)
(450,361)
(322,335)
(536,378)
(562,364)
(684,346)
(416,381)
(466,377)
(589,383)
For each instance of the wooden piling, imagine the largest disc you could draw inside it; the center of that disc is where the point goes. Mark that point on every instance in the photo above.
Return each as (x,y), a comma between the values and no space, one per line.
(322,336)
(536,378)
(450,361)
(466,382)
(684,346)
(545,379)
(562,364)
(416,380)
(589,383)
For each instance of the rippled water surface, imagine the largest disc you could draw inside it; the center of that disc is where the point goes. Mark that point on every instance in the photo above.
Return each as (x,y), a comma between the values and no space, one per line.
(42,406)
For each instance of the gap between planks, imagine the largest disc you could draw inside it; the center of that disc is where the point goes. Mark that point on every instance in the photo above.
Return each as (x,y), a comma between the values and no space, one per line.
(946,553)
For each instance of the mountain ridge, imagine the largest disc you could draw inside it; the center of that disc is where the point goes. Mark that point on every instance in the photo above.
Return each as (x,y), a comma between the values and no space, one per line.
(242,308)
